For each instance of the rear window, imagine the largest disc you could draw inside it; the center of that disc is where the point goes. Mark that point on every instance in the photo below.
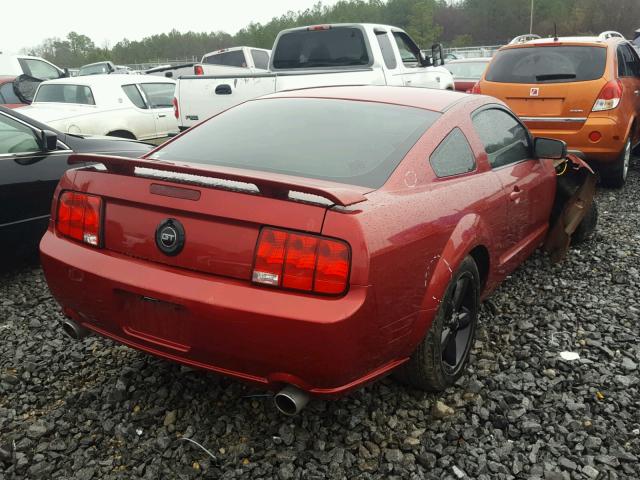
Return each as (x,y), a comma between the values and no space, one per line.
(472,70)
(557,64)
(228,59)
(64,93)
(333,47)
(358,143)
(97,69)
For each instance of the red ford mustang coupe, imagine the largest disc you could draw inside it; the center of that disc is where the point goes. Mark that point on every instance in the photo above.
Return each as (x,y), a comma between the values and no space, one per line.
(311,240)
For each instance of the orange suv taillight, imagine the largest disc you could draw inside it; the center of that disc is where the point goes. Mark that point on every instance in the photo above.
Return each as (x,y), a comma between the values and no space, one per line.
(79,216)
(609,97)
(298,261)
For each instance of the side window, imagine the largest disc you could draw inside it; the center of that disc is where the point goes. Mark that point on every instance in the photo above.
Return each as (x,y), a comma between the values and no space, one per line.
(632,61)
(7,95)
(409,51)
(159,95)
(505,139)
(622,64)
(260,59)
(386,49)
(39,69)
(134,95)
(453,156)
(16,137)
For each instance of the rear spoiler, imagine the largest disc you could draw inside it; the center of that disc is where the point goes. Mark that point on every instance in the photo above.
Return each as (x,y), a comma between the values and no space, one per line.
(270,184)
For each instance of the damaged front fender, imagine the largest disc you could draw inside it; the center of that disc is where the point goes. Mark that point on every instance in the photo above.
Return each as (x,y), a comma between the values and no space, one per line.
(574,200)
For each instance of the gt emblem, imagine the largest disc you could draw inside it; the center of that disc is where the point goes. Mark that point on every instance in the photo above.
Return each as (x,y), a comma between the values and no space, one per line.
(170,237)
(535,92)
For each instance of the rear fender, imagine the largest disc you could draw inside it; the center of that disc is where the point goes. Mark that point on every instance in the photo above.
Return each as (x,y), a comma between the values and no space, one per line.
(468,234)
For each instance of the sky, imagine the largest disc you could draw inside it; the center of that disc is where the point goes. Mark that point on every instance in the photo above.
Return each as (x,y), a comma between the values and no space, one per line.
(109,21)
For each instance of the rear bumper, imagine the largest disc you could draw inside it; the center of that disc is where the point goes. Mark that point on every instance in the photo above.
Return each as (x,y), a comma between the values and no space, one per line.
(325,346)
(576,136)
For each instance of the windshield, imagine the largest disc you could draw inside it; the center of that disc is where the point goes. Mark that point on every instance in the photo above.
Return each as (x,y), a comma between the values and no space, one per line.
(331,47)
(472,70)
(551,64)
(64,93)
(96,69)
(358,143)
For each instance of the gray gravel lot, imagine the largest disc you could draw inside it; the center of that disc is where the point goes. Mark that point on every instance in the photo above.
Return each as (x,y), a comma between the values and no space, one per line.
(93,409)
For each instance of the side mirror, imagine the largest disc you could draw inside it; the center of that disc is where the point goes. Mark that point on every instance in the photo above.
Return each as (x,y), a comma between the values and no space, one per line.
(549,148)
(425,59)
(437,55)
(49,140)
(65,73)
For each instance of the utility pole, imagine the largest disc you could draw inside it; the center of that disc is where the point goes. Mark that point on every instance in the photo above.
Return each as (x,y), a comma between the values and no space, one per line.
(531,23)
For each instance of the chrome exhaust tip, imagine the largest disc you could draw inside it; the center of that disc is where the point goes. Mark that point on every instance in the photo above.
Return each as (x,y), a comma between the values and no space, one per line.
(73,330)
(290,400)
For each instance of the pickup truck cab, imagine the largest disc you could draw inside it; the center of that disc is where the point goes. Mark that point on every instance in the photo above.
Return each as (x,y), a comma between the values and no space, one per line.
(317,56)
(236,60)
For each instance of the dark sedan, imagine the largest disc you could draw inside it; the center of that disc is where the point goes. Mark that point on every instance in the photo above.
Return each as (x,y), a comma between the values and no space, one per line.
(33,157)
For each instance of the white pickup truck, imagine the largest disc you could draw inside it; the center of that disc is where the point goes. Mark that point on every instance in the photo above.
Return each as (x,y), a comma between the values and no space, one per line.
(323,55)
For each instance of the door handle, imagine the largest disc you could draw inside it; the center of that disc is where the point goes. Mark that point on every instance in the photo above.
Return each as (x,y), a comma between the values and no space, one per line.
(162,115)
(515,195)
(223,89)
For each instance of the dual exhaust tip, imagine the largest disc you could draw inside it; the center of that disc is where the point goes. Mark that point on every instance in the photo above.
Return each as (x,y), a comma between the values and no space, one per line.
(289,401)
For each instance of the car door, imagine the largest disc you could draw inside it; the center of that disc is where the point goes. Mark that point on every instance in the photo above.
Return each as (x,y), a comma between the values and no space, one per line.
(411,72)
(159,98)
(28,178)
(528,183)
(141,119)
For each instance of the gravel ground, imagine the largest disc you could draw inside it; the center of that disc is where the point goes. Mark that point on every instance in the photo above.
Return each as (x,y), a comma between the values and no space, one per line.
(93,409)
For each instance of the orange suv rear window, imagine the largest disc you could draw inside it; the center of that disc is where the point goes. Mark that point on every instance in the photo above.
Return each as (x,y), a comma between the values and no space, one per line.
(557,64)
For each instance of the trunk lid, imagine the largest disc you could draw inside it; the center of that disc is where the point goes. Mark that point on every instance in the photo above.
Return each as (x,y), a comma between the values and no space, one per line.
(221,218)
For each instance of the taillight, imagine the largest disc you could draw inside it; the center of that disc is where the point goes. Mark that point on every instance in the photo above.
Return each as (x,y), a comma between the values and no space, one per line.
(298,261)
(198,70)
(609,97)
(79,216)
(476,89)
(176,110)
(315,28)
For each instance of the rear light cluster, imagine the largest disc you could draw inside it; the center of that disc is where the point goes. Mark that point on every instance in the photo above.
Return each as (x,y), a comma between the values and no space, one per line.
(298,261)
(79,216)
(198,70)
(609,97)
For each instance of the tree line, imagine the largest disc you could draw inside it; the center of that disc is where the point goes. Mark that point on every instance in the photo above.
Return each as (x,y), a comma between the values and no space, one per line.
(455,23)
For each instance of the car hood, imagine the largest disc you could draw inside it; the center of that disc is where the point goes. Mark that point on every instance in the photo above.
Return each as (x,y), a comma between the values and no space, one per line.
(52,112)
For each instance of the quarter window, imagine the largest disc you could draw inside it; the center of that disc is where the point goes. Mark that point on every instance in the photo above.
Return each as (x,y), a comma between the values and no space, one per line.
(260,59)
(16,137)
(505,140)
(453,156)
(628,57)
(387,50)
(134,95)
(159,95)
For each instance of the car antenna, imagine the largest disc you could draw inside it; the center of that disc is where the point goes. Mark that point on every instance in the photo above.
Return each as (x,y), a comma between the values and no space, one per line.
(555,32)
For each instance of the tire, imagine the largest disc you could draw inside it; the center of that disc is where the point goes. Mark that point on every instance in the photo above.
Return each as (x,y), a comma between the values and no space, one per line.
(615,176)
(432,366)
(587,227)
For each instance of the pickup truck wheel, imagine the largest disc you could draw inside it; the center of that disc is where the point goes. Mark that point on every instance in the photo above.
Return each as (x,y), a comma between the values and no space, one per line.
(615,175)
(587,226)
(441,357)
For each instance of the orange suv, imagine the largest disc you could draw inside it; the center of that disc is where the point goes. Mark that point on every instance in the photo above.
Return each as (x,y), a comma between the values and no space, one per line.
(583,90)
